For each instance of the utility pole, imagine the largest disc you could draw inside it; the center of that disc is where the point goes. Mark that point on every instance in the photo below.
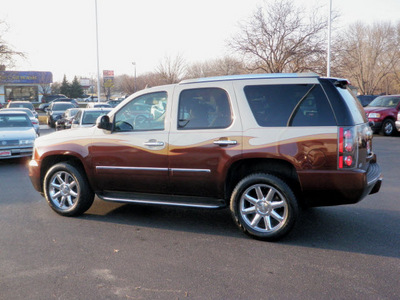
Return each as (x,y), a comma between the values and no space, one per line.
(328,59)
(98,60)
(134,82)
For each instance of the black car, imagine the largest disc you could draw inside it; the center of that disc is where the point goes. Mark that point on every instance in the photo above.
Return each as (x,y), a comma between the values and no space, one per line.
(44,106)
(366,99)
(55,111)
(114,103)
(49,98)
(66,118)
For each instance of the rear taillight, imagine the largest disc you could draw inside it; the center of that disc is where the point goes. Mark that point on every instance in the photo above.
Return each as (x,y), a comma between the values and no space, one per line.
(348,148)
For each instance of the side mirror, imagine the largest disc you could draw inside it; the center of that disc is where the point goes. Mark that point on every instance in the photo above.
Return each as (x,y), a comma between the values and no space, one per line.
(103,122)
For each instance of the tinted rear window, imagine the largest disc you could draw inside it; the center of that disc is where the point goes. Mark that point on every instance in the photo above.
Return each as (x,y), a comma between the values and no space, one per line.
(289,105)
(23,105)
(62,106)
(354,105)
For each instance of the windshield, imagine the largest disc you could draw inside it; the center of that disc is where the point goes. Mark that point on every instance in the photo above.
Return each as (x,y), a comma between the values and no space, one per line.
(23,105)
(18,109)
(385,101)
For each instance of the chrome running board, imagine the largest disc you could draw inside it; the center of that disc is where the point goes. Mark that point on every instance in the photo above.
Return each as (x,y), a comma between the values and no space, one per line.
(160,199)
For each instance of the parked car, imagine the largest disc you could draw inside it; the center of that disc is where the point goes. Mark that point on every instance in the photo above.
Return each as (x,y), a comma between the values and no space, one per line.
(23,104)
(98,105)
(34,120)
(66,119)
(44,106)
(17,135)
(49,98)
(382,114)
(91,99)
(366,99)
(398,122)
(113,103)
(87,117)
(55,111)
(261,144)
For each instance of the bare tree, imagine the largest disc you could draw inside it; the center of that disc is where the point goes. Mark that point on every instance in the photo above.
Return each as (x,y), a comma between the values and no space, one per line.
(217,67)
(280,38)
(171,70)
(370,55)
(7,53)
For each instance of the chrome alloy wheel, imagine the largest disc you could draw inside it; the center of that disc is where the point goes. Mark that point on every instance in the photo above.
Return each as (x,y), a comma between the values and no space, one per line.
(263,208)
(63,190)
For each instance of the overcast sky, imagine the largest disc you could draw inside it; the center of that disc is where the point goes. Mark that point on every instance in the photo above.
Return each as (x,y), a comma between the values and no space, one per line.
(59,35)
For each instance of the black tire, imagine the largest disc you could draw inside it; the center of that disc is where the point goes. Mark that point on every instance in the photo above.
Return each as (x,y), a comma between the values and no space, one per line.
(388,128)
(264,207)
(67,190)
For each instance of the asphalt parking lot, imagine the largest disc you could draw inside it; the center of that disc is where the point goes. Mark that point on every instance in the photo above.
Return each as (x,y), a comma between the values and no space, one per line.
(120,251)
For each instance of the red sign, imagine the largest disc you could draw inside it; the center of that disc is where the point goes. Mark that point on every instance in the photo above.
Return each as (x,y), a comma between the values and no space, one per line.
(108,73)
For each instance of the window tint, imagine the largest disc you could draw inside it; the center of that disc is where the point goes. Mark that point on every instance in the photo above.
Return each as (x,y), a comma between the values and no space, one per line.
(146,112)
(313,110)
(357,111)
(204,108)
(293,105)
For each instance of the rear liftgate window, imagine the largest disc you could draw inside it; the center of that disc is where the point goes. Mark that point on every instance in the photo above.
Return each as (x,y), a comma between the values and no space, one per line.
(289,105)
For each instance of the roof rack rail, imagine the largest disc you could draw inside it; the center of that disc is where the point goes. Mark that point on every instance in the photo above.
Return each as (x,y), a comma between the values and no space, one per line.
(250,76)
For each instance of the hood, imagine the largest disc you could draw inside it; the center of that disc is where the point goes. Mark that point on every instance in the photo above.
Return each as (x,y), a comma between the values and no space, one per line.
(377,109)
(17,133)
(66,135)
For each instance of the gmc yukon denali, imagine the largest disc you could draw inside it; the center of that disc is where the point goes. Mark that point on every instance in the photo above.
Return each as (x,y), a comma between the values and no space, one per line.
(262,144)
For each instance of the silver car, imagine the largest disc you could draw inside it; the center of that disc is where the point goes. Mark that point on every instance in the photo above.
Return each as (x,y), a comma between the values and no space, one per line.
(17,135)
(87,117)
(34,120)
(25,104)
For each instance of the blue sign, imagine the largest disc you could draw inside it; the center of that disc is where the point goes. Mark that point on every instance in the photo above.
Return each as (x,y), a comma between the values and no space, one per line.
(15,77)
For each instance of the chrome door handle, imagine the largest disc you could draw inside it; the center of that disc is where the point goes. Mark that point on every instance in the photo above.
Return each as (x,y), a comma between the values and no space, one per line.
(153,143)
(225,142)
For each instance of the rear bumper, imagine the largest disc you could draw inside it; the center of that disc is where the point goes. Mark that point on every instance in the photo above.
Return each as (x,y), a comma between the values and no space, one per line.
(327,188)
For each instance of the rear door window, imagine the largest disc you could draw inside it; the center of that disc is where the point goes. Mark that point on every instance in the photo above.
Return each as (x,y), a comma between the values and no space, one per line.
(204,108)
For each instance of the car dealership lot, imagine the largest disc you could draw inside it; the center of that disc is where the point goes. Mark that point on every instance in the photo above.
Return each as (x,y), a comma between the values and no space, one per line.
(147,252)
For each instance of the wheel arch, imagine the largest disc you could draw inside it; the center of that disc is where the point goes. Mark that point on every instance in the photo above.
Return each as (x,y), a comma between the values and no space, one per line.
(52,160)
(279,168)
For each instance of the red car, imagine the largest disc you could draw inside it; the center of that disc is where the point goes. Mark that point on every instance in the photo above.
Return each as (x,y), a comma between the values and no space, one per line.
(382,114)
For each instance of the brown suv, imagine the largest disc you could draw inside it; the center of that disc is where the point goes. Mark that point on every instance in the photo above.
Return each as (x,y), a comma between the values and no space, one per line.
(261,144)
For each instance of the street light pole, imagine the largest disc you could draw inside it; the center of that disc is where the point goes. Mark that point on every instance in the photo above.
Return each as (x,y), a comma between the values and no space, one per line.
(98,60)
(328,59)
(134,82)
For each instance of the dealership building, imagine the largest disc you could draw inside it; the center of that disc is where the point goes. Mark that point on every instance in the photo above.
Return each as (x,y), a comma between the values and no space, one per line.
(24,85)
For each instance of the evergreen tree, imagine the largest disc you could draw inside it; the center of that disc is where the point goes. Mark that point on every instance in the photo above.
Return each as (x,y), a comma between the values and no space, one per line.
(76,90)
(65,88)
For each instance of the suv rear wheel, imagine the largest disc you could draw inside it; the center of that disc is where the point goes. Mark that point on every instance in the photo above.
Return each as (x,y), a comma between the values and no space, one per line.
(67,190)
(264,206)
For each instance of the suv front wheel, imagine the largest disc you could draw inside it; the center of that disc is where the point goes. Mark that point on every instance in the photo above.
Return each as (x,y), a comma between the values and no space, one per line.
(264,206)
(67,190)
(388,127)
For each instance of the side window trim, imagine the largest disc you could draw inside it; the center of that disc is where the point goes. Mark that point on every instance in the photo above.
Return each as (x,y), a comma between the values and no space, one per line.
(296,108)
